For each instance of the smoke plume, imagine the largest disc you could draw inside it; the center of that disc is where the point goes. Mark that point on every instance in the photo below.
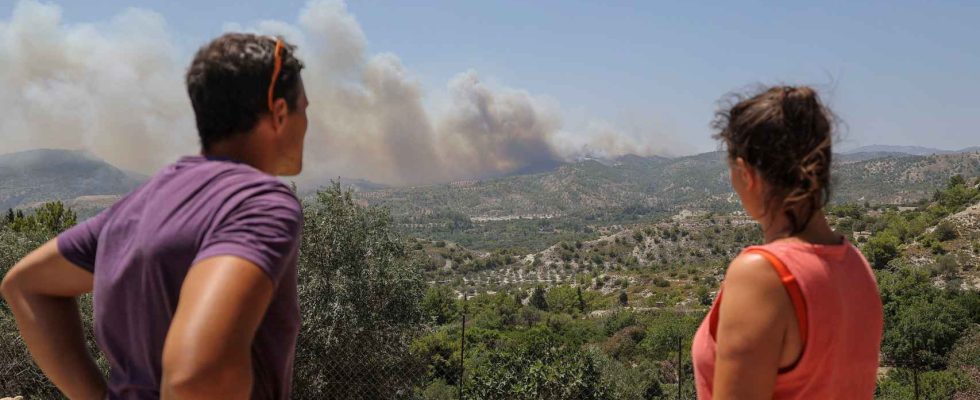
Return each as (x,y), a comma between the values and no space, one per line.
(116,89)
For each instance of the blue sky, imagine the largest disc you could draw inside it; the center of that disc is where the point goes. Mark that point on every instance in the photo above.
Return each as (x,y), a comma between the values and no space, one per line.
(897,72)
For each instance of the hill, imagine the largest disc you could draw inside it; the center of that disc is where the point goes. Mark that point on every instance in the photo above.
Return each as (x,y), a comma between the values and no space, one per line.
(585,185)
(898,180)
(44,175)
(574,200)
(673,262)
(699,181)
(909,150)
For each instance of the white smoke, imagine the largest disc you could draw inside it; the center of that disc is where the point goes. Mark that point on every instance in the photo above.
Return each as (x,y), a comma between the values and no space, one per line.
(113,89)
(116,89)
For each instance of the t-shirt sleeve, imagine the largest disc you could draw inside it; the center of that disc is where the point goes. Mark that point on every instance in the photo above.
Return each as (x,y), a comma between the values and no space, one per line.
(264,229)
(80,243)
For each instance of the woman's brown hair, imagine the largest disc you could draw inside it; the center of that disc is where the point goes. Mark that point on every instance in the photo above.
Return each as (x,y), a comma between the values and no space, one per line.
(785,133)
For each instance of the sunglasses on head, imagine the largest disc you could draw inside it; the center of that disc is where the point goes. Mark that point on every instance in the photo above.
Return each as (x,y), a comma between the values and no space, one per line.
(275,72)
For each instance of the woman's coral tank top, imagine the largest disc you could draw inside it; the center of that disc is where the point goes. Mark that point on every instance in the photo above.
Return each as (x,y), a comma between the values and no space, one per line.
(842,325)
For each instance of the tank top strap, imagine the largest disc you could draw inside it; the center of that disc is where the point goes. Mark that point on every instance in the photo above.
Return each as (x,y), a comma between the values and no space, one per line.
(792,288)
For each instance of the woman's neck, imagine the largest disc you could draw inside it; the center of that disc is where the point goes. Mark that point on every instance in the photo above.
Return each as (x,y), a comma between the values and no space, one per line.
(817,230)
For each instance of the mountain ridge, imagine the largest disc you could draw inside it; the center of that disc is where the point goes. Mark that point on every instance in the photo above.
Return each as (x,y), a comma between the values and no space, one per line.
(587,186)
(911,150)
(51,174)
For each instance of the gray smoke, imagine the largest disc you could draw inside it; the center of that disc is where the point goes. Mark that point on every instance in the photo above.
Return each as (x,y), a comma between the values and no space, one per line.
(113,89)
(116,89)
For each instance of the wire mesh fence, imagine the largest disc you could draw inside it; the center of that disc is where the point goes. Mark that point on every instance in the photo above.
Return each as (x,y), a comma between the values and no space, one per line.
(603,356)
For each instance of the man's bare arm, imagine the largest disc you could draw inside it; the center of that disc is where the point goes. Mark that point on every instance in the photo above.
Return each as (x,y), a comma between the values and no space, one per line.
(207,354)
(41,291)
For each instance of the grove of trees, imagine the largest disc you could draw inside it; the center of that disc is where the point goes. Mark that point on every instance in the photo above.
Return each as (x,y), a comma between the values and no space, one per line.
(373,328)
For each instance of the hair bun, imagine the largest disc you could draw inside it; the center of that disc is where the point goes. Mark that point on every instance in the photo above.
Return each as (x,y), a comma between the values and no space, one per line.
(802,109)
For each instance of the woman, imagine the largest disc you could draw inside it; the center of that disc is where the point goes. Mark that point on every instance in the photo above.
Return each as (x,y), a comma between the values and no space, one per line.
(798,317)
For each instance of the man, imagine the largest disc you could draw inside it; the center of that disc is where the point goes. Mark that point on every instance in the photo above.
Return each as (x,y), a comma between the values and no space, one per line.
(194,273)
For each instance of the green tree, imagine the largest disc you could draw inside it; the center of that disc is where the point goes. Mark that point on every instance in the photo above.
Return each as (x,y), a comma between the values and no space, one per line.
(956,194)
(439,304)
(529,316)
(581,300)
(898,384)
(537,366)
(360,294)
(538,299)
(663,332)
(49,219)
(969,300)
(440,350)
(966,352)
(955,180)
(564,299)
(921,322)
(881,249)
(493,311)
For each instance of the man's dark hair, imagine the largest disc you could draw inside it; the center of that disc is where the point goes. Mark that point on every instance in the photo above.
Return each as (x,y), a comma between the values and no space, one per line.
(228,83)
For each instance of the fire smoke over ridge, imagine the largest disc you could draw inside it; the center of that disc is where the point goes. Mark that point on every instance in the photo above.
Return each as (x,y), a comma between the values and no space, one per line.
(116,89)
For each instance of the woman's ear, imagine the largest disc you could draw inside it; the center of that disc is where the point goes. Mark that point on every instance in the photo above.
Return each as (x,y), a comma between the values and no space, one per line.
(746,174)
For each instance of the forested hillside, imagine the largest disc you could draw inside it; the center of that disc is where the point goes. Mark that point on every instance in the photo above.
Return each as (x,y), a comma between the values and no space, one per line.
(606,311)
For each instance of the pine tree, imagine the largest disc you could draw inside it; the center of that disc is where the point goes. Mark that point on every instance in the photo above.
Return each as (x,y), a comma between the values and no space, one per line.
(537,299)
(581,300)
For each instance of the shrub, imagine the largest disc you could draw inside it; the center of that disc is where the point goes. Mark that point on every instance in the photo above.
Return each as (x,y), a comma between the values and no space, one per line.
(439,304)
(538,368)
(899,385)
(921,322)
(881,249)
(945,266)
(623,344)
(945,231)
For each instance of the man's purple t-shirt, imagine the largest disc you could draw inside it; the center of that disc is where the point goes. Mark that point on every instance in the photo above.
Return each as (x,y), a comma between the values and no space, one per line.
(141,248)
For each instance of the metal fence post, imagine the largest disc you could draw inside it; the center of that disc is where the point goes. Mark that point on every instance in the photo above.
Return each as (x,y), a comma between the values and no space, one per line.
(462,350)
(915,367)
(680,367)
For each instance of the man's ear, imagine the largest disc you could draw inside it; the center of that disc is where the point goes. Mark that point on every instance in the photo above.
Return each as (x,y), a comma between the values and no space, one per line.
(280,110)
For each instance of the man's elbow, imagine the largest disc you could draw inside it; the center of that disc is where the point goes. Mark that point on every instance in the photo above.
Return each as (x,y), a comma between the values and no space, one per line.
(188,379)
(9,285)
(182,386)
